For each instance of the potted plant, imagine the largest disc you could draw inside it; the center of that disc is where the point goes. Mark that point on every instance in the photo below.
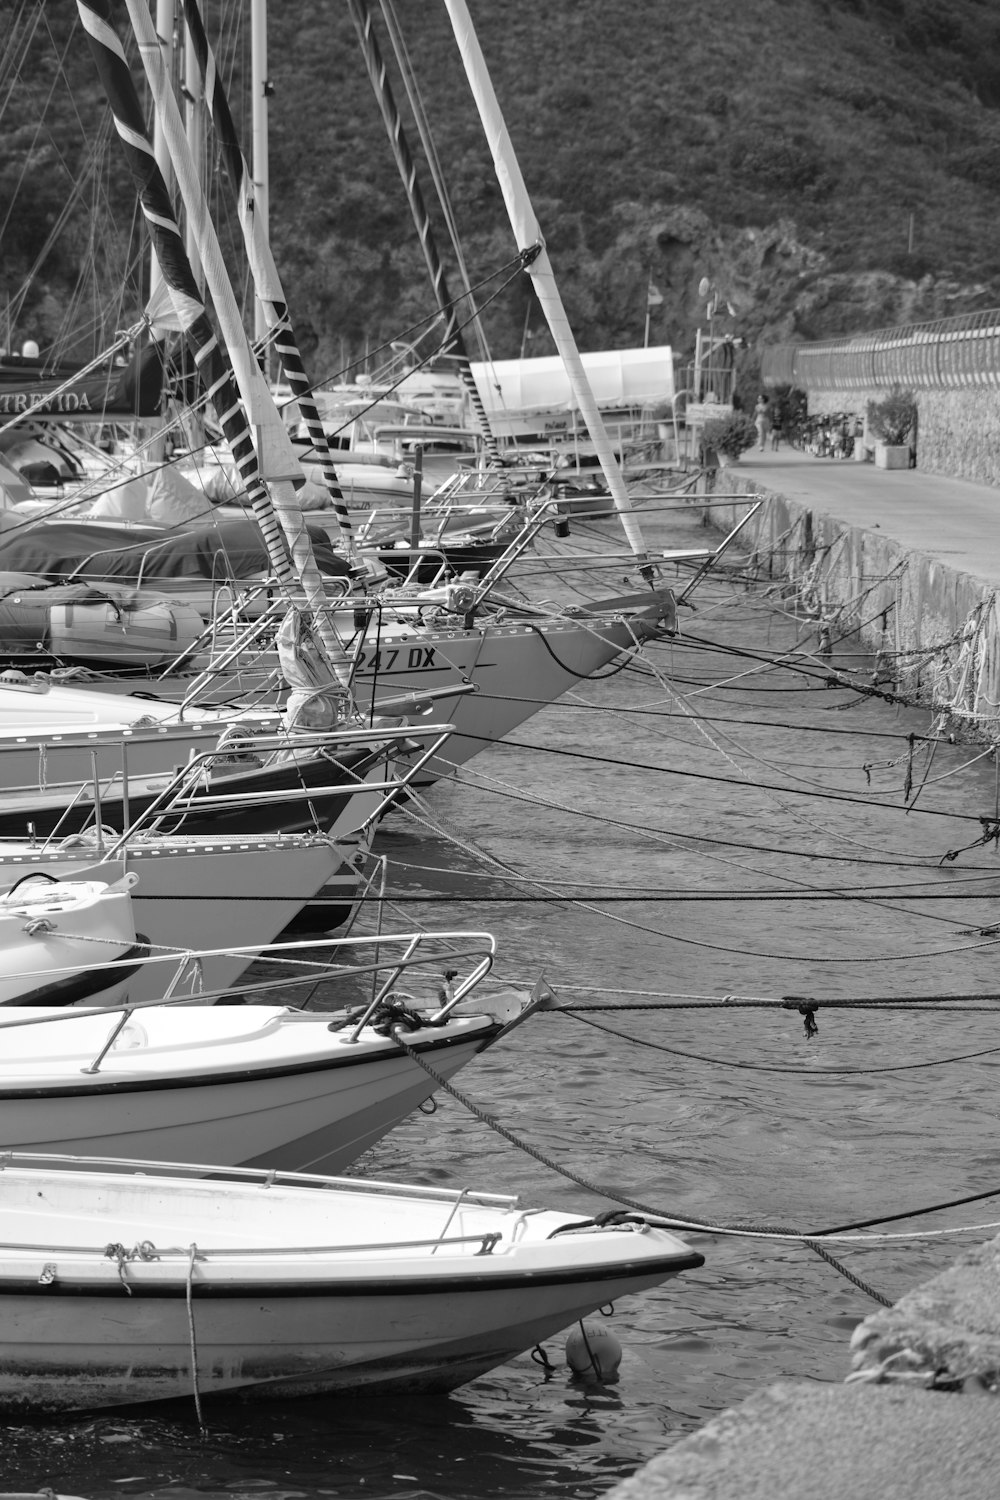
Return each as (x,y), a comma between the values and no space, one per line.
(893,420)
(725,438)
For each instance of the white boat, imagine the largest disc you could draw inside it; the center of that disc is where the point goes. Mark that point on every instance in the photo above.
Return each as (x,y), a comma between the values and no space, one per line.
(253,1085)
(518,658)
(229,897)
(48,927)
(55,736)
(123,1287)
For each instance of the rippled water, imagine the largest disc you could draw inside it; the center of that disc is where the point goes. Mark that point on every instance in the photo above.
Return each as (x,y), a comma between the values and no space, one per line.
(727,1116)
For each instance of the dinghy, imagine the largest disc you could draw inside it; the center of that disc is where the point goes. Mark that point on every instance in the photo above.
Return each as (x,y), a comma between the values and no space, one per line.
(119,1287)
(94,627)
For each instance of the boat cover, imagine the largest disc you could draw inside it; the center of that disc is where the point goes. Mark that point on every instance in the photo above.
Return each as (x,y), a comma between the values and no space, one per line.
(229,549)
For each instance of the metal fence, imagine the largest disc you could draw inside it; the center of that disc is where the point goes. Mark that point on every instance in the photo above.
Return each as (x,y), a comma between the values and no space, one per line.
(948,354)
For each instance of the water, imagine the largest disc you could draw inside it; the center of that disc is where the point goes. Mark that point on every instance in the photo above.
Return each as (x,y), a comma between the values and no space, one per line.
(693,1121)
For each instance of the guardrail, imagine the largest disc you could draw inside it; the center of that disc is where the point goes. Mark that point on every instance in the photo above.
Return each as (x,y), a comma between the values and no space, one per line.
(948,354)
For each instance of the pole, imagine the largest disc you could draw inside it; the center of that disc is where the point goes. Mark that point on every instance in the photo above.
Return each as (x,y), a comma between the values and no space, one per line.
(194,130)
(178,277)
(261,165)
(165,31)
(270,300)
(280,522)
(378,77)
(418,479)
(279,464)
(537,264)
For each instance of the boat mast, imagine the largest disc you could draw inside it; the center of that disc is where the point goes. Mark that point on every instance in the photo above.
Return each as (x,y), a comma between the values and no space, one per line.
(261,201)
(532,247)
(165,31)
(361,16)
(434,167)
(281,521)
(270,302)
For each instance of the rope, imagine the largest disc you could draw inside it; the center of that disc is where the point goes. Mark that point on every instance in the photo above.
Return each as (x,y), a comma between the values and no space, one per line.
(858,1281)
(189,1298)
(617,1197)
(723,1062)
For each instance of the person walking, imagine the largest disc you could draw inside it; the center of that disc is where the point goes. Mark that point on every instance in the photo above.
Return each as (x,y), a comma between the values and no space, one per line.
(775,431)
(762,417)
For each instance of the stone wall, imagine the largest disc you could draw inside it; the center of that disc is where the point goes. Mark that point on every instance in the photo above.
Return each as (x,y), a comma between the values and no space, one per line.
(934,631)
(958,432)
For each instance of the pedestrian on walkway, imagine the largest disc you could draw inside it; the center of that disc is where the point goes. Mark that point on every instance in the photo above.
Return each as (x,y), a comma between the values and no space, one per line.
(775,432)
(762,417)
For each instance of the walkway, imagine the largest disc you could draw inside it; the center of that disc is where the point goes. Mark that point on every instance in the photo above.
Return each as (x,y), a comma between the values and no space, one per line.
(949,519)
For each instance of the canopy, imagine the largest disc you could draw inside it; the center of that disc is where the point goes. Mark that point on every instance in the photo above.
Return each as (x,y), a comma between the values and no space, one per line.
(618,378)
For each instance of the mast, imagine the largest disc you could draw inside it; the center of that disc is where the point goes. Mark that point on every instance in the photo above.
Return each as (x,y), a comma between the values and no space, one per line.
(361,16)
(165,31)
(260,93)
(279,521)
(271,306)
(532,247)
(434,167)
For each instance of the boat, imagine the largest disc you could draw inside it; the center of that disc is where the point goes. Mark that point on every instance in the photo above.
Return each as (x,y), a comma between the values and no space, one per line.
(66,942)
(141,1283)
(254,1084)
(520,657)
(332,782)
(191,892)
(456,655)
(105,627)
(189,566)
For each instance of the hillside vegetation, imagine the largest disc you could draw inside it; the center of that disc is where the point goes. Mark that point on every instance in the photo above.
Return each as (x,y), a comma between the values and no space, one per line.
(832,165)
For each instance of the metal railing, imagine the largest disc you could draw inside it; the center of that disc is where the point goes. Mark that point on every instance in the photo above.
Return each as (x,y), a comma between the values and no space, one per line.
(948,354)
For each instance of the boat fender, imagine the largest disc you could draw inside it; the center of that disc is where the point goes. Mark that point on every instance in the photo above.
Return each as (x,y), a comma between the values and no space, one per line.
(593,1352)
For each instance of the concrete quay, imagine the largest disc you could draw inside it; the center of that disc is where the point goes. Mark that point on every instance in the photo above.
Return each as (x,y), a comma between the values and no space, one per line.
(911,562)
(907,561)
(909,1423)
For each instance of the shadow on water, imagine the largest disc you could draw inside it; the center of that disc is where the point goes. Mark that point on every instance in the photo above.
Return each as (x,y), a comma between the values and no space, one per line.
(503,1436)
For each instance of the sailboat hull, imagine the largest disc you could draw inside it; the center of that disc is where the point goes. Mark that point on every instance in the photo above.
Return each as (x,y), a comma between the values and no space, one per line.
(517,668)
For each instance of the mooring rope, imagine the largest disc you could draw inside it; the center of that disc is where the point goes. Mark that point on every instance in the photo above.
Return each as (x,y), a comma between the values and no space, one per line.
(192,1257)
(618,1197)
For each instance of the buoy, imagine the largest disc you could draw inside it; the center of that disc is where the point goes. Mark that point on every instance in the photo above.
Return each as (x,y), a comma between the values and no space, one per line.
(593,1352)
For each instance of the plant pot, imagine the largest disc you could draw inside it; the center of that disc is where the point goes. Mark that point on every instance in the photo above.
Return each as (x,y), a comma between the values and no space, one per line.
(892,456)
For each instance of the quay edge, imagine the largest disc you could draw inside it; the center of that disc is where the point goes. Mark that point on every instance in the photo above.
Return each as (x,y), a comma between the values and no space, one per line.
(932,627)
(908,1424)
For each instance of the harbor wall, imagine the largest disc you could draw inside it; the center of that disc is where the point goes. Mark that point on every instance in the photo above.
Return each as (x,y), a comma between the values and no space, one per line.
(901,1426)
(933,631)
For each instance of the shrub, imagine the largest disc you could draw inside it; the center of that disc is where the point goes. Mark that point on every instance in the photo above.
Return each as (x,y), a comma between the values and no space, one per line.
(730,435)
(894,417)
